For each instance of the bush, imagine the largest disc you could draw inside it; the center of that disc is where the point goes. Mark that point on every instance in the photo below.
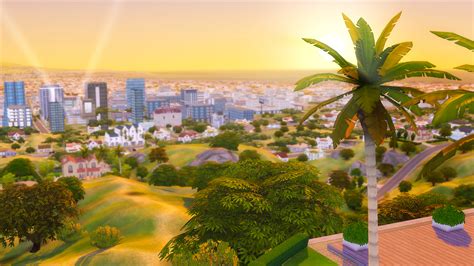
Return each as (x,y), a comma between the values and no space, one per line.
(229,140)
(71,232)
(448,215)
(448,172)
(346,154)
(464,193)
(405,186)
(302,157)
(339,179)
(353,199)
(165,175)
(386,169)
(278,134)
(15,146)
(435,177)
(356,233)
(379,152)
(30,150)
(408,147)
(105,237)
(249,155)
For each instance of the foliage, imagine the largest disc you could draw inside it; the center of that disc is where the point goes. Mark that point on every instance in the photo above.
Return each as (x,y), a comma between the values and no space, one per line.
(165,175)
(21,167)
(379,153)
(386,169)
(177,129)
(448,172)
(281,253)
(249,155)
(142,172)
(408,147)
(461,41)
(158,155)
(302,157)
(339,179)
(228,139)
(35,213)
(356,233)
(210,253)
(356,172)
(7,179)
(347,154)
(435,177)
(45,167)
(445,131)
(231,209)
(74,185)
(15,146)
(278,134)
(404,186)
(207,172)
(30,150)
(105,237)
(70,232)
(464,193)
(448,215)
(353,199)
(360,181)
(232,127)
(132,161)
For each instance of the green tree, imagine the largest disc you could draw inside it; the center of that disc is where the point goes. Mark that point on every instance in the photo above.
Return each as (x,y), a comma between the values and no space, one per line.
(177,129)
(207,172)
(360,181)
(158,155)
(302,157)
(346,154)
(45,167)
(404,186)
(339,179)
(7,179)
(376,66)
(379,153)
(386,169)
(448,172)
(445,131)
(165,175)
(74,185)
(118,152)
(35,213)
(200,127)
(353,199)
(132,161)
(278,134)
(284,129)
(408,147)
(21,167)
(142,172)
(464,194)
(356,172)
(435,177)
(228,139)
(249,155)
(253,189)
(30,150)
(15,146)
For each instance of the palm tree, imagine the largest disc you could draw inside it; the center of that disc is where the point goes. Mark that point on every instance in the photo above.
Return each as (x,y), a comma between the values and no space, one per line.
(119,153)
(454,107)
(101,153)
(376,66)
(84,153)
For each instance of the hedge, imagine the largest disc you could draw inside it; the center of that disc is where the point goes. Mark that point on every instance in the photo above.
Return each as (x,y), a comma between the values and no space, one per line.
(281,253)
(448,215)
(356,233)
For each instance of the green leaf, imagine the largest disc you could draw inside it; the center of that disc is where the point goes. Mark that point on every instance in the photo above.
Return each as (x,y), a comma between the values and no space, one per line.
(365,50)
(400,97)
(432,73)
(345,122)
(405,113)
(386,33)
(323,103)
(317,78)
(366,97)
(353,32)
(396,54)
(338,59)
(468,68)
(375,122)
(433,97)
(453,108)
(405,67)
(458,39)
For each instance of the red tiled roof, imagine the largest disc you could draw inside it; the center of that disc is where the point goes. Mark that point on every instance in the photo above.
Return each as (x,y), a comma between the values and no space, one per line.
(163,110)
(190,133)
(74,159)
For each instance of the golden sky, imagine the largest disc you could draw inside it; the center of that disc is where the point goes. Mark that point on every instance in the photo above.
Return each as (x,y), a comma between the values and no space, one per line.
(148,35)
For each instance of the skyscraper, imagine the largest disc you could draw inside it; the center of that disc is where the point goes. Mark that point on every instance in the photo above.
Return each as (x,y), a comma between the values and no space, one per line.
(49,93)
(136,99)
(189,96)
(97,92)
(56,117)
(14,94)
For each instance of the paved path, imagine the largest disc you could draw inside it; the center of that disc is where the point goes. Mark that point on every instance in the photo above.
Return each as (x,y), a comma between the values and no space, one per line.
(407,168)
(40,126)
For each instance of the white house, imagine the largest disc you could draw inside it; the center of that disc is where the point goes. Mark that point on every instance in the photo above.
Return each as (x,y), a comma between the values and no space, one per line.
(112,139)
(91,130)
(92,144)
(167,116)
(187,136)
(16,134)
(314,154)
(274,126)
(210,132)
(217,120)
(162,134)
(73,147)
(298,148)
(126,136)
(324,143)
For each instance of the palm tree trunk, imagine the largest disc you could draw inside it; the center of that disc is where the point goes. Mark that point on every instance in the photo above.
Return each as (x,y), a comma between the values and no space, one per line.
(120,166)
(372,199)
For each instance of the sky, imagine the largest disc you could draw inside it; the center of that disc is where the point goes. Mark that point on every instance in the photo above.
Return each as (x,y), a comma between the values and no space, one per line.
(169,36)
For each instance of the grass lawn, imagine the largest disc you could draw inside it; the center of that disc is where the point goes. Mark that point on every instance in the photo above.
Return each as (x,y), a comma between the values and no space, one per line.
(182,154)
(309,257)
(264,153)
(146,216)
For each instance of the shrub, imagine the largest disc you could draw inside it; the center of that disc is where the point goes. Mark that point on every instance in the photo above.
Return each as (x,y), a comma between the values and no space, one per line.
(228,139)
(448,215)
(448,172)
(405,186)
(71,232)
(353,199)
(379,152)
(435,177)
(356,233)
(302,157)
(15,146)
(278,134)
(464,193)
(249,155)
(346,154)
(165,175)
(30,150)
(408,147)
(339,179)
(105,237)
(386,169)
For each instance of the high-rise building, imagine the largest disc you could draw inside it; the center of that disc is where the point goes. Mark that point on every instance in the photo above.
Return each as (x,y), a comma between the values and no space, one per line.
(136,99)
(189,96)
(14,94)
(239,113)
(97,92)
(49,93)
(198,112)
(219,105)
(19,116)
(56,117)
(152,105)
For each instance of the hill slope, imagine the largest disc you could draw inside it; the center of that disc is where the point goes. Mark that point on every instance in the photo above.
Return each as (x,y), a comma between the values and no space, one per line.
(146,216)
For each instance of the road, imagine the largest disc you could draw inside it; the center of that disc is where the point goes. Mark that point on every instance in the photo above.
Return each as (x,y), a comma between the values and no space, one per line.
(409,166)
(39,125)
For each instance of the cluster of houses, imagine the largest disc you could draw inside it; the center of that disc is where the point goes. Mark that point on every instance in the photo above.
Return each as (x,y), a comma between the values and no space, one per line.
(313,153)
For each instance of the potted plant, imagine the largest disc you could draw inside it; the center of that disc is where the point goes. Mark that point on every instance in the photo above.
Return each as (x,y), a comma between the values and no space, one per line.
(355,236)
(448,218)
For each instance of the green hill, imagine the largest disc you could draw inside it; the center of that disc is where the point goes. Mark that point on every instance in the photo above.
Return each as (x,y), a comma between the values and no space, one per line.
(146,216)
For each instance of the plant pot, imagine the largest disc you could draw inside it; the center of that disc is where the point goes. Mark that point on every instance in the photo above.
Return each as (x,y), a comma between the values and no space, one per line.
(354,246)
(447,228)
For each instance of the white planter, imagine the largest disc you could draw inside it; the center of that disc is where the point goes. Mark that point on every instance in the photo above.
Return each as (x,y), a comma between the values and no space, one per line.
(447,228)
(354,246)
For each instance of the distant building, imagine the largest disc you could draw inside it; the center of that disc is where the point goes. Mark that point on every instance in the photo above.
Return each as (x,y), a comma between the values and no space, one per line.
(48,94)
(4,153)
(98,94)
(84,168)
(44,149)
(167,116)
(189,96)
(239,113)
(56,117)
(162,134)
(136,99)
(16,135)
(125,136)
(283,156)
(19,116)
(14,94)
(188,136)
(198,112)
(324,143)
(219,105)
(217,120)
(73,147)
(152,105)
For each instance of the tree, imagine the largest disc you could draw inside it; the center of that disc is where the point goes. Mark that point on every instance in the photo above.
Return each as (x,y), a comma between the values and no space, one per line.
(435,177)
(360,181)
(21,167)
(339,179)
(74,185)
(249,155)
(448,172)
(353,199)
(445,131)
(45,167)
(284,129)
(228,139)
(356,172)
(15,146)
(464,193)
(142,172)
(375,67)
(35,213)
(200,127)
(7,179)
(379,153)
(207,172)
(177,129)
(30,150)
(101,153)
(346,154)
(408,147)
(386,169)
(278,134)
(158,155)
(302,157)
(253,189)
(132,161)
(165,175)
(404,186)
(118,151)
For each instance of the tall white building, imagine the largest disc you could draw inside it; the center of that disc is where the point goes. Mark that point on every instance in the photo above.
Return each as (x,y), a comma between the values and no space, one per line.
(19,116)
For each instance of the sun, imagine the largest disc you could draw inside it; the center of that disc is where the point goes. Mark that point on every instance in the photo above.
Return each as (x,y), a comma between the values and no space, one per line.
(336,42)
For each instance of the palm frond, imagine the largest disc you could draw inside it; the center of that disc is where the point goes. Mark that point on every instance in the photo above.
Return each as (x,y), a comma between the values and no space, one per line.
(317,78)
(322,104)
(405,113)
(375,122)
(453,108)
(367,97)
(351,28)
(409,90)
(406,67)
(458,39)
(345,122)
(365,50)
(468,68)
(338,59)
(396,54)
(349,71)
(432,73)
(434,97)
(400,97)
(386,33)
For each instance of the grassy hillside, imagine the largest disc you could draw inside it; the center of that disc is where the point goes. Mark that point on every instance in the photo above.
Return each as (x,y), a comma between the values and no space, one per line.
(146,216)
